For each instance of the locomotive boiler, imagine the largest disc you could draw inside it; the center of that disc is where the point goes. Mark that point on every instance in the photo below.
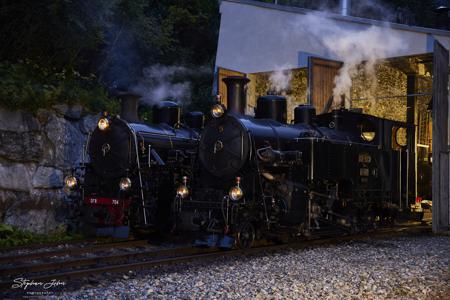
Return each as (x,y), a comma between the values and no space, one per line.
(129,179)
(261,177)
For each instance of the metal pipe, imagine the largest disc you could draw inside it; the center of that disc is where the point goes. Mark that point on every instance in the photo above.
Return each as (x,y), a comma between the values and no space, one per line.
(139,175)
(407,179)
(149,153)
(311,165)
(400,178)
(309,212)
(415,163)
(344,7)
(393,96)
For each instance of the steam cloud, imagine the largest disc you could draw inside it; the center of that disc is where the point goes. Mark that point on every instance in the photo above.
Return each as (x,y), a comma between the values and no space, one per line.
(280,79)
(124,67)
(355,48)
(161,82)
(157,85)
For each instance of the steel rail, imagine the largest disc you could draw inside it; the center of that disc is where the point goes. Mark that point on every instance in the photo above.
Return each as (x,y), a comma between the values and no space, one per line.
(71,251)
(82,262)
(34,246)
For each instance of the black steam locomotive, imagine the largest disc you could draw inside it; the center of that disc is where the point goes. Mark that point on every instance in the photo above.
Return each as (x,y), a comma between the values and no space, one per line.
(261,177)
(129,179)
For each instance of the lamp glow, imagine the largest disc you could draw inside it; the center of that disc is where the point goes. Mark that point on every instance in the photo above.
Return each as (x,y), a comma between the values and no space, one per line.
(70,182)
(236,193)
(218,110)
(182,191)
(125,184)
(103,124)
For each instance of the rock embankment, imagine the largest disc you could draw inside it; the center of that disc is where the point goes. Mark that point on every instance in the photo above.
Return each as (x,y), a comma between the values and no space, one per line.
(36,152)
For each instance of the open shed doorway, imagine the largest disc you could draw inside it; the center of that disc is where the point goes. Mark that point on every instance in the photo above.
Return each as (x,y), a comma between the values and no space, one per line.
(398,89)
(411,89)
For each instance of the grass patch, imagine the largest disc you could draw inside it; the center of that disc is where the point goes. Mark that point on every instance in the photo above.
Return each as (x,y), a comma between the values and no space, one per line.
(11,236)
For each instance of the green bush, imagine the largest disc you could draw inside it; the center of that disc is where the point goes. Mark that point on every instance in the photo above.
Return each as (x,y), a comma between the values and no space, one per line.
(27,86)
(11,236)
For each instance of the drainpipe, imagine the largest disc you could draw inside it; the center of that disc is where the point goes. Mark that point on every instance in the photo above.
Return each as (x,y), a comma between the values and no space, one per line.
(344,7)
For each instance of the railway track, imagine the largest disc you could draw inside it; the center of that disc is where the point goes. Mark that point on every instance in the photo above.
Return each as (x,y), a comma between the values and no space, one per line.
(69,249)
(49,244)
(75,268)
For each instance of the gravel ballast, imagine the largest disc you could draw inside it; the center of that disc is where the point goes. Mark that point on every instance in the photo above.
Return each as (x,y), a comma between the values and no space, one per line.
(395,268)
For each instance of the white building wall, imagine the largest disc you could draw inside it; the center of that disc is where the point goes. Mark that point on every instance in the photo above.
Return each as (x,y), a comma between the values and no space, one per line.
(258,37)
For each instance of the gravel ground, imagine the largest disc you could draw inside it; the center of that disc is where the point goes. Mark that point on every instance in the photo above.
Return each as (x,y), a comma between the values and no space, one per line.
(397,268)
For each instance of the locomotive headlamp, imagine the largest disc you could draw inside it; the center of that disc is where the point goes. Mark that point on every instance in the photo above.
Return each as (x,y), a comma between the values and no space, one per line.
(236,193)
(368,135)
(125,184)
(182,190)
(368,130)
(103,123)
(217,110)
(70,182)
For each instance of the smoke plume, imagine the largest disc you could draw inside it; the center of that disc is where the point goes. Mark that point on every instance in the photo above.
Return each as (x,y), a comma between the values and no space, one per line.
(126,66)
(156,84)
(280,79)
(159,83)
(356,48)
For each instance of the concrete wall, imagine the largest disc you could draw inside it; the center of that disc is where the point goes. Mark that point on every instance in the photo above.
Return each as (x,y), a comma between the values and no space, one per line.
(258,37)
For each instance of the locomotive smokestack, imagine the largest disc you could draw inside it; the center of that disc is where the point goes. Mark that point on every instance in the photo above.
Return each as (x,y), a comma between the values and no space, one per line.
(342,104)
(129,109)
(236,98)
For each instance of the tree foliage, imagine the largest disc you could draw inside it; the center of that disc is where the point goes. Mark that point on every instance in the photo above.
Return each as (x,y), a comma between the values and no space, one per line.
(112,40)
(28,85)
(53,33)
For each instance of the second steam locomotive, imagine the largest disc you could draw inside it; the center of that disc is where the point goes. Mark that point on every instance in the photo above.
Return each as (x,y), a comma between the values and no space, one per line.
(261,177)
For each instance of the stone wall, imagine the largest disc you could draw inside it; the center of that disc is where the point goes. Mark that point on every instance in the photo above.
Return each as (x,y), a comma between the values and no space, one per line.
(382,95)
(36,152)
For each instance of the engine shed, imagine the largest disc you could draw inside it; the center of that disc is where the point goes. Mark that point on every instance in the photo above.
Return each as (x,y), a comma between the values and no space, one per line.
(281,50)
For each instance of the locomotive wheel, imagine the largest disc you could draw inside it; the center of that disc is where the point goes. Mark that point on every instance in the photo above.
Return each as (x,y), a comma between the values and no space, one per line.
(245,236)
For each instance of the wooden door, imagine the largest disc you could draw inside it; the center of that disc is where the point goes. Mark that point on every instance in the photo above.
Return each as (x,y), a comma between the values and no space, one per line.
(321,73)
(221,87)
